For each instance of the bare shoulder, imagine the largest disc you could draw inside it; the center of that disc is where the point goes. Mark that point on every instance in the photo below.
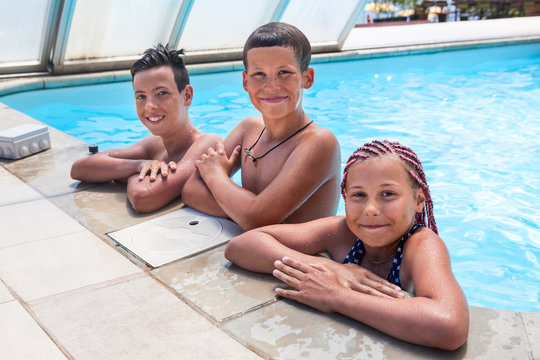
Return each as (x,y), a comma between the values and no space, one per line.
(209,139)
(243,131)
(319,136)
(318,150)
(425,241)
(426,262)
(320,145)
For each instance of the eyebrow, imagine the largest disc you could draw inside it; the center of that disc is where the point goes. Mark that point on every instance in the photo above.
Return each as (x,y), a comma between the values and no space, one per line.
(154,89)
(381,185)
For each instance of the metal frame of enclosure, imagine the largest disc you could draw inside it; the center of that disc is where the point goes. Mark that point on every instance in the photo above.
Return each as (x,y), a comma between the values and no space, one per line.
(79,36)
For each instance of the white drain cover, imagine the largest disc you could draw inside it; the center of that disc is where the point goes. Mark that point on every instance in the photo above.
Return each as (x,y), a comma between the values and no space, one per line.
(174,236)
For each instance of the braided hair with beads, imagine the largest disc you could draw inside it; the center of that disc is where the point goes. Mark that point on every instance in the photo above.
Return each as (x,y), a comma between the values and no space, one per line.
(412,164)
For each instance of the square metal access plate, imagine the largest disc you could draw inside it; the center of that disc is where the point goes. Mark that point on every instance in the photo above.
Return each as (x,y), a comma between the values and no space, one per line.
(176,235)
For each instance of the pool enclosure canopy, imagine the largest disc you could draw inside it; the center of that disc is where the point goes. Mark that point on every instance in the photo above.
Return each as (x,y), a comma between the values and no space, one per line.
(72,36)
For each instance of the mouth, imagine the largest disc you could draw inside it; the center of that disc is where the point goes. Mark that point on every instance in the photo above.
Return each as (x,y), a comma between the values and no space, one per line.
(372,227)
(155,118)
(273,99)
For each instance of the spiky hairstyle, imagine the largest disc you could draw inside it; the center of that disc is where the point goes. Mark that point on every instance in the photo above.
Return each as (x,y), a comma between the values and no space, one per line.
(164,56)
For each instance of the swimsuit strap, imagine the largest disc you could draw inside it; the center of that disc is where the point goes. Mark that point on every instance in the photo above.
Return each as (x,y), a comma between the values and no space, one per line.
(355,255)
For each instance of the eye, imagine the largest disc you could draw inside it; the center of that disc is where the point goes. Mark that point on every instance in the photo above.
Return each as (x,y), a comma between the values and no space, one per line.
(140,97)
(284,73)
(258,75)
(163,93)
(358,195)
(387,194)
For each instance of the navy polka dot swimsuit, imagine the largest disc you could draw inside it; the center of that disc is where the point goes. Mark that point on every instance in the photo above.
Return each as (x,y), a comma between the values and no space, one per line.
(355,255)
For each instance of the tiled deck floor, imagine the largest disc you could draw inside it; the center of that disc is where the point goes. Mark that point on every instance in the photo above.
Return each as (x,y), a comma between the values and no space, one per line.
(67,290)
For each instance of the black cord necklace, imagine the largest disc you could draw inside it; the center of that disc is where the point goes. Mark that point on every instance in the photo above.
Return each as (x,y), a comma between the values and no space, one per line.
(249,152)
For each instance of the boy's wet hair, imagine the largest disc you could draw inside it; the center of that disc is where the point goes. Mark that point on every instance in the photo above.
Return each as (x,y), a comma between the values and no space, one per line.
(280,34)
(163,56)
(378,148)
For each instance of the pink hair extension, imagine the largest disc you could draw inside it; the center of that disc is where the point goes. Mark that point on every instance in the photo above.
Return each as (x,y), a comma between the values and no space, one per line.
(378,148)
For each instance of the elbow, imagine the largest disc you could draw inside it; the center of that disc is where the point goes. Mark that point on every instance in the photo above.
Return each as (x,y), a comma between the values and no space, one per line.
(188,196)
(230,250)
(141,201)
(258,217)
(235,250)
(453,332)
(75,173)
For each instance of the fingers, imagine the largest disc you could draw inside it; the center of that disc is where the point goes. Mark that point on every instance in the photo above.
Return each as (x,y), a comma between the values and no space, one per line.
(287,279)
(147,165)
(164,169)
(378,289)
(289,294)
(155,167)
(288,271)
(235,154)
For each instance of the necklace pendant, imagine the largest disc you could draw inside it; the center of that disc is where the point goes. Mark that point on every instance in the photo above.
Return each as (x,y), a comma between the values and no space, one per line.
(249,154)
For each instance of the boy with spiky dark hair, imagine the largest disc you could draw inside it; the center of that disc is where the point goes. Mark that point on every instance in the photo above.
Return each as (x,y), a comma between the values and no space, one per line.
(157,167)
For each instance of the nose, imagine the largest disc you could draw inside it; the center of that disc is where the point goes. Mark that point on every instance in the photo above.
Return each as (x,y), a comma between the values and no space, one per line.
(372,208)
(150,104)
(271,82)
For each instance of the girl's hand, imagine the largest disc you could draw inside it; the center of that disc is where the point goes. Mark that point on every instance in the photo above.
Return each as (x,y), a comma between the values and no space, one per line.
(362,280)
(313,285)
(155,167)
(217,161)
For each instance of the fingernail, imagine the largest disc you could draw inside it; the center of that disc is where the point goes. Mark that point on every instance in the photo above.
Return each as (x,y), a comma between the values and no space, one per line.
(285,259)
(277,263)
(275,272)
(401,295)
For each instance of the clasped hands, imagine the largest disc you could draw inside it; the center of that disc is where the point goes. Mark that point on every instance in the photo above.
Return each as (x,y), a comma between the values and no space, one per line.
(216,161)
(316,284)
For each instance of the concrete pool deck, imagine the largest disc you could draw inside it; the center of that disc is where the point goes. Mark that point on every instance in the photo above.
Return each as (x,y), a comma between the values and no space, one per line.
(68,290)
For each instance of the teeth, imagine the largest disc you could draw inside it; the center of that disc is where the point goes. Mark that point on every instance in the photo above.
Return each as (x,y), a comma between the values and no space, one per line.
(155,118)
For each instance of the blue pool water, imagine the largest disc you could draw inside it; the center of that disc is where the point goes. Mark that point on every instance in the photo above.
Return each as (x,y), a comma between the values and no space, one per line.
(473,117)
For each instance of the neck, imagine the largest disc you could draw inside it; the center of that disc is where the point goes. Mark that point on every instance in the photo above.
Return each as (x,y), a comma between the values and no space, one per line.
(181,138)
(279,128)
(381,256)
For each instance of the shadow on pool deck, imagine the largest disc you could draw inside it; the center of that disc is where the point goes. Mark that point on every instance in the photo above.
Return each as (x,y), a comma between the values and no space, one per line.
(68,290)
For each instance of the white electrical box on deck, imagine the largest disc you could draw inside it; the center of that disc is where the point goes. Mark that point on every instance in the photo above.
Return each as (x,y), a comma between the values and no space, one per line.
(24,140)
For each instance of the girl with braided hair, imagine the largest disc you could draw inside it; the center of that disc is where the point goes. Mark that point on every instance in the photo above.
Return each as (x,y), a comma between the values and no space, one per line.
(388,232)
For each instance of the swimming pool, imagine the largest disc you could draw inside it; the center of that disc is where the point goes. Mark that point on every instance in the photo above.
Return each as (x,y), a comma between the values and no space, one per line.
(473,117)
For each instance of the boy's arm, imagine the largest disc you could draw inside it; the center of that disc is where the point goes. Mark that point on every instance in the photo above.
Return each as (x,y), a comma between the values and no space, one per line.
(196,194)
(437,316)
(114,164)
(146,195)
(308,167)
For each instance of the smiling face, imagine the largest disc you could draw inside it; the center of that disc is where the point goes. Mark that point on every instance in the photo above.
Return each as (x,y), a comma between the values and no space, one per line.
(380,203)
(275,82)
(159,103)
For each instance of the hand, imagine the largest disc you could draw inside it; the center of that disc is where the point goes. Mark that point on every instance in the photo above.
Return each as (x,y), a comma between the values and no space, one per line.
(216,161)
(314,285)
(362,280)
(155,167)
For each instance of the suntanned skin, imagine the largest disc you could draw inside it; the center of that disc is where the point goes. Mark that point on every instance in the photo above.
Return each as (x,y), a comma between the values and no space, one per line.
(157,167)
(380,208)
(297,181)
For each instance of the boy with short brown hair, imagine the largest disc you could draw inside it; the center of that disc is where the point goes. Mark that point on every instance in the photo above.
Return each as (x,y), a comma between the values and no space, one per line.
(290,166)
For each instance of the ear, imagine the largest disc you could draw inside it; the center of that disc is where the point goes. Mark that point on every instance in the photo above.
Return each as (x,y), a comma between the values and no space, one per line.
(244,79)
(308,78)
(188,95)
(420,200)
